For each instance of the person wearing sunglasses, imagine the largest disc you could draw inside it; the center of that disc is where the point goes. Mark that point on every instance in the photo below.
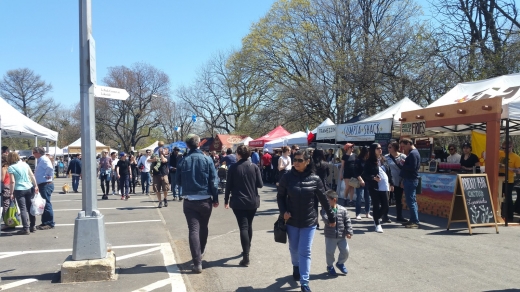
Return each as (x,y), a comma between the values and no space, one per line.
(454,156)
(298,189)
(378,176)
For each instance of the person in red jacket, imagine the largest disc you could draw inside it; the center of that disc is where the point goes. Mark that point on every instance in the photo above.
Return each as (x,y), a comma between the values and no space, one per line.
(266,166)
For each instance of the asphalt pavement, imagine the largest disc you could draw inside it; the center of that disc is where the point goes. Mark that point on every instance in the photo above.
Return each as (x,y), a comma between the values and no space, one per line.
(152,251)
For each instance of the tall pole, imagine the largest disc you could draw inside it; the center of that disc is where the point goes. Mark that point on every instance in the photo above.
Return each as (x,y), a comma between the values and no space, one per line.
(89,226)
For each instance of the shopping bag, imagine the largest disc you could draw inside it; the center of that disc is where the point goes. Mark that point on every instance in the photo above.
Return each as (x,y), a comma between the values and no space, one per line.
(280,231)
(12,216)
(37,205)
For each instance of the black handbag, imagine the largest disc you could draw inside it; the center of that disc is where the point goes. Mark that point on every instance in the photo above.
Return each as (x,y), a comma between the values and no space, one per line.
(280,231)
(418,189)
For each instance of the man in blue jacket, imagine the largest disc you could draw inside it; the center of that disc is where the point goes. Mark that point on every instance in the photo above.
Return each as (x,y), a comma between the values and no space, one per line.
(410,179)
(75,169)
(197,176)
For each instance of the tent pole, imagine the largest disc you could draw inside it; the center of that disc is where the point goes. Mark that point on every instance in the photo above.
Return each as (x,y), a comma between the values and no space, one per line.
(506,182)
(35,145)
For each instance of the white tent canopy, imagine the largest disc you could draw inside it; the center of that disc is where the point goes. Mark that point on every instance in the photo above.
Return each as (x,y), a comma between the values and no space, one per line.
(507,87)
(14,124)
(75,147)
(298,138)
(53,151)
(326,130)
(151,147)
(386,121)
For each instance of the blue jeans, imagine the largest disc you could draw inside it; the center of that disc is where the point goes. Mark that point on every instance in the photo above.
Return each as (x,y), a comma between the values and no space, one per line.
(411,201)
(145,181)
(75,183)
(300,243)
(48,214)
(124,184)
(174,186)
(362,191)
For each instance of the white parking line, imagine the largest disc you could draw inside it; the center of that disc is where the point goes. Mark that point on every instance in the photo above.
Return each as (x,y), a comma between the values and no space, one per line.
(156,285)
(15,253)
(135,254)
(17,283)
(113,208)
(111,223)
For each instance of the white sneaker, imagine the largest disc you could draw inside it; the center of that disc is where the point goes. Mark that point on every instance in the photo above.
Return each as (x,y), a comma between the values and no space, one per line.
(119,193)
(369,216)
(358,217)
(379,229)
(113,193)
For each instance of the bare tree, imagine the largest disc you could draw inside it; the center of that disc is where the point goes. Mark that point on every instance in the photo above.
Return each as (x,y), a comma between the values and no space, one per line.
(27,92)
(175,115)
(135,118)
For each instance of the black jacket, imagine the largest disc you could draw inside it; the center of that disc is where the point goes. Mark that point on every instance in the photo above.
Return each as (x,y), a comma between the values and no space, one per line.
(74,166)
(243,181)
(297,192)
(371,170)
(322,170)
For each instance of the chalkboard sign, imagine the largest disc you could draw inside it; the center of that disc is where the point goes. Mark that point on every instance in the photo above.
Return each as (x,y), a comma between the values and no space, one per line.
(472,202)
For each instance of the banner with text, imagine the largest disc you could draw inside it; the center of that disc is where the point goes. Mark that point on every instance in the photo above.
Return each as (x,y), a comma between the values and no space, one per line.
(413,129)
(326,133)
(363,131)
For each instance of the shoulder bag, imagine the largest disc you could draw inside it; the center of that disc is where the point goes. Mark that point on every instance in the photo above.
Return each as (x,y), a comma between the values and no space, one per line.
(280,231)
(354,182)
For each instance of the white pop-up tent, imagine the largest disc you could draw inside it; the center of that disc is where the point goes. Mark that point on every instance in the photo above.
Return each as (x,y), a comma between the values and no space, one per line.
(151,147)
(298,138)
(14,124)
(75,147)
(386,121)
(507,87)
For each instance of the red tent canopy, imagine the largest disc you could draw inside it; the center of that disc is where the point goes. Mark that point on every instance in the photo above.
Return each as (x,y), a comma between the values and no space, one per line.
(276,133)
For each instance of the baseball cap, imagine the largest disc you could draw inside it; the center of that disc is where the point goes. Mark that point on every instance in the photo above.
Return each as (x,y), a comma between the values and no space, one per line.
(122,154)
(348,145)
(266,150)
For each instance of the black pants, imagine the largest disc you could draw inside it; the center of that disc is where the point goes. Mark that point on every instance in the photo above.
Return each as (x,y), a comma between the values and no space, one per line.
(23,198)
(398,196)
(114,182)
(133,182)
(379,204)
(245,224)
(197,215)
(105,184)
(508,201)
(267,174)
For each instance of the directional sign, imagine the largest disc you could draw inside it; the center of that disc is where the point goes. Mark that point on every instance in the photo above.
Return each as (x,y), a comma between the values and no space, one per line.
(110,92)
(92,58)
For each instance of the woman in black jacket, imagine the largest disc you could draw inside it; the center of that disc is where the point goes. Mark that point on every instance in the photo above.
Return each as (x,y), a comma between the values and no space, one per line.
(377,175)
(322,170)
(298,190)
(243,181)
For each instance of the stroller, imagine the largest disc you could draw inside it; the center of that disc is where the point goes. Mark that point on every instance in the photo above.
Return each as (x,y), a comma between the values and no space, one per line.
(222,175)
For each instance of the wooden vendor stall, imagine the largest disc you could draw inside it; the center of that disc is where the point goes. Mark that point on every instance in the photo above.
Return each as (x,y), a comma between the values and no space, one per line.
(438,189)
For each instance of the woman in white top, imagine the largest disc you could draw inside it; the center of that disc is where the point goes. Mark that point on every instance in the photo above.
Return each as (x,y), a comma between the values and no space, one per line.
(284,163)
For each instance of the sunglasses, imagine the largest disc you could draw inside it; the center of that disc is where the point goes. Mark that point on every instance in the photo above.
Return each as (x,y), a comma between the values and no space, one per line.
(299,160)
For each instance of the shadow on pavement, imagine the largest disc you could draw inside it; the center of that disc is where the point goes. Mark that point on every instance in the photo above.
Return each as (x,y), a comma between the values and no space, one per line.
(277,286)
(53,277)
(267,212)
(141,269)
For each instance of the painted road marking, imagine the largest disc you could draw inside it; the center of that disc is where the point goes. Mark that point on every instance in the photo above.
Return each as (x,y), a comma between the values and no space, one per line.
(422,223)
(112,208)
(17,283)
(156,285)
(119,258)
(111,223)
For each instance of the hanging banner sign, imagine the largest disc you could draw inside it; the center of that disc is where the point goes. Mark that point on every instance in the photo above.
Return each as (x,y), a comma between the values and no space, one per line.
(326,133)
(362,131)
(413,129)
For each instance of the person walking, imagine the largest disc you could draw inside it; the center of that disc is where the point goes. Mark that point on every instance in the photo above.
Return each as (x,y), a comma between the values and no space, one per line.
(133,173)
(337,236)
(75,171)
(266,166)
(6,191)
(284,162)
(144,165)
(377,175)
(275,174)
(410,180)
(395,159)
(44,173)
(297,191)
(160,176)
(362,192)
(115,179)
(105,173)
(347,172)
(175,157)
(22,181)
(124,174)
(197,176)
(244,180)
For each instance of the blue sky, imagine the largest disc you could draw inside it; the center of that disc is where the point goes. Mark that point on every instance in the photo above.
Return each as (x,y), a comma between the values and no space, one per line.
(175,36)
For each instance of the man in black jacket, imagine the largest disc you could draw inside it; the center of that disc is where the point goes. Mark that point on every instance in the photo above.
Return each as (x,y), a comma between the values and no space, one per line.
(410,180)
(174,159)
(75,169)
